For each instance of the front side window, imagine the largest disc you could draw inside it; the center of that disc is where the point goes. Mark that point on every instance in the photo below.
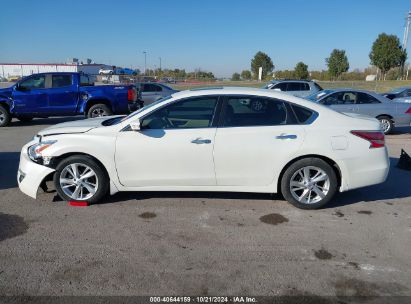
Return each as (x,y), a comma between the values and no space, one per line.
(254,111)
(282,86)
(340,98)
(34,82)
(188,113)
(59,81)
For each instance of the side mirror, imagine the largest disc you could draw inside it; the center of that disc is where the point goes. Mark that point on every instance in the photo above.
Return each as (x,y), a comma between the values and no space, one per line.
(135,125)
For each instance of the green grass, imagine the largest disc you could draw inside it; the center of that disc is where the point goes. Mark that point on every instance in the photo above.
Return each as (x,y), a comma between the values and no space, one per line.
(376,86)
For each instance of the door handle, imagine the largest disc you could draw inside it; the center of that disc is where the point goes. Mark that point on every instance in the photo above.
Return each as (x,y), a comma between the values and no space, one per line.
(200,141)
(286,136)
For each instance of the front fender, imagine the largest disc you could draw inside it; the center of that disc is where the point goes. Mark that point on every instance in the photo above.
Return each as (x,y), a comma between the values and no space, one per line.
(8,102)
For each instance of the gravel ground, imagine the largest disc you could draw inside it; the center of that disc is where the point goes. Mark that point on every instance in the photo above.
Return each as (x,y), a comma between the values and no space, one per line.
(203,243)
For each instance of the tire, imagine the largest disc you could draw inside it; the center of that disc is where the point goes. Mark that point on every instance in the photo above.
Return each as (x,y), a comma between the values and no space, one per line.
(72,188)
(305,189)
(5,117)
(387,124)
(25,118)
(99,110)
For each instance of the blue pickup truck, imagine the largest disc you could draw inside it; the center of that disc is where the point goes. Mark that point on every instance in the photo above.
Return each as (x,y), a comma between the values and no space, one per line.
(64,94)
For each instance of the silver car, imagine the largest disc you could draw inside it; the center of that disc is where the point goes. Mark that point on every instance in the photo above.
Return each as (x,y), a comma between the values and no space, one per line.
(390,113)
(151,91)
(299,88)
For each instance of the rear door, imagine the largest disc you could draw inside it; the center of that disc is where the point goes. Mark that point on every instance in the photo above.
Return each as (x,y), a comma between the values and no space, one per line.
(255,139)
(371,106)
(30,96)
(63,94)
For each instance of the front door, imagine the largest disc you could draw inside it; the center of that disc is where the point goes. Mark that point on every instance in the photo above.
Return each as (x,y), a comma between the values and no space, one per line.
(255,141)
(30,96)
(63,94)
(173,148)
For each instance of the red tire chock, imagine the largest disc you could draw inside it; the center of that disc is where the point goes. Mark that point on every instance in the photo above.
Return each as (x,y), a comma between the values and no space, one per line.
(78,204)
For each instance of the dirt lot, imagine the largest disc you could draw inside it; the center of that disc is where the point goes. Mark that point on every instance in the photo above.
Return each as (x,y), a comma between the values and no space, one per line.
(203,243)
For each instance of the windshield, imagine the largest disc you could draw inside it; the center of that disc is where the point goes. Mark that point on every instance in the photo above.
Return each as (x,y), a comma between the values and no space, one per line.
(317,95)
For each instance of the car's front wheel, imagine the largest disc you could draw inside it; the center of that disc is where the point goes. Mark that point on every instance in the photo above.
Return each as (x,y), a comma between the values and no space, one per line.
(99,110)
(5,117)
(309,183)
(80,178)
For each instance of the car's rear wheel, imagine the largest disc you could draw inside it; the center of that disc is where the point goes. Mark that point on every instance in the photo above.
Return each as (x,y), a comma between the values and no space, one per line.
(309,183)
(80,178)
(386,124)
(99,110)
(5,117)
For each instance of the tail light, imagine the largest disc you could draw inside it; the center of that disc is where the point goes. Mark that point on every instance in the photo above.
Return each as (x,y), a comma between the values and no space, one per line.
(131,95)
(376,138)
(408,111)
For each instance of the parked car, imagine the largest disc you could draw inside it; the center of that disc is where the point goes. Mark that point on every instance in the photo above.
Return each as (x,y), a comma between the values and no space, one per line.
(390,114)
(125,71)
(300,88)
(151,92)
(106,71)
(64,94)
(402,94)
(227,139)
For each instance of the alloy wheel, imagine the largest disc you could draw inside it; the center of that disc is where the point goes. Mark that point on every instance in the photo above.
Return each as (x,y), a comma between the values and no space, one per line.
(309,185)
(78,181)
(98,112)
(385,124)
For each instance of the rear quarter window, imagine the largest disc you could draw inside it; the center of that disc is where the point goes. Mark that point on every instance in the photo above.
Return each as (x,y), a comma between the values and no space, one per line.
(303,115)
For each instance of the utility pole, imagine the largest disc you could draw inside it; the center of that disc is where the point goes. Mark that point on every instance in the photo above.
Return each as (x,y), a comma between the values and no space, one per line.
(160,62)
(145,63)
(405,37)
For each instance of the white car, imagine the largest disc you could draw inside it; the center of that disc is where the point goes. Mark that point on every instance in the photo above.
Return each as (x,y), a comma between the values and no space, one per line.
(105,72)
(218,139)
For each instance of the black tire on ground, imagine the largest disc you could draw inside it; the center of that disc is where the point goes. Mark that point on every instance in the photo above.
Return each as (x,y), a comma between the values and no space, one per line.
(5,117)
(99,110)
(386,123)
(303,163)
(102,180)
(25,118)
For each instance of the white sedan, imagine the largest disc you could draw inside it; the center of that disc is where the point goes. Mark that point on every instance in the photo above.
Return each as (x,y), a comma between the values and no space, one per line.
(216,139)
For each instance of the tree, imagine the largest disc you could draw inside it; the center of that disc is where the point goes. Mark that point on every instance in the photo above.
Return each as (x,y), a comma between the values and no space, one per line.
(301,71)
(246,75)
(387,53)
(337,63)
(261,60)
(235,77)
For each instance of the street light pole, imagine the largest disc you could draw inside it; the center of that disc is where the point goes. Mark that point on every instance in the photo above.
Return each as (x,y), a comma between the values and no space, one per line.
(160,62)
(145,63)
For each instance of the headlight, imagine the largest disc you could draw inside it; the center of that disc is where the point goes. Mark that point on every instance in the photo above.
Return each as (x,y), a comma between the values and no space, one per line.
(35,151)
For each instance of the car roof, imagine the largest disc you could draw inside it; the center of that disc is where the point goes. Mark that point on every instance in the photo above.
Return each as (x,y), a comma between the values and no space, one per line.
(243,91)
(293,80)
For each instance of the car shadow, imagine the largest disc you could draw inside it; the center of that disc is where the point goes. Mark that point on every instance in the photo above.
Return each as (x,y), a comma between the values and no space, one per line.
(44,121)
(397,185)
(8,173)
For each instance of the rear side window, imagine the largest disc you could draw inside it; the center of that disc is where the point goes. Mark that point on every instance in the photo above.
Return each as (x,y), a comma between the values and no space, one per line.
(363,98)
(58,81)
(294,86)
(254,111)
(304,86)
(303,114)
(148,87)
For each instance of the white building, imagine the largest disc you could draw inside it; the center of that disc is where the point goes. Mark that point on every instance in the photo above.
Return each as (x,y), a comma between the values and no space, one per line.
(24,69)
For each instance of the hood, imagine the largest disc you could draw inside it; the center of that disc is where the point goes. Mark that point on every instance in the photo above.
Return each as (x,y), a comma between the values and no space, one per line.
(6,92)
(78,126)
